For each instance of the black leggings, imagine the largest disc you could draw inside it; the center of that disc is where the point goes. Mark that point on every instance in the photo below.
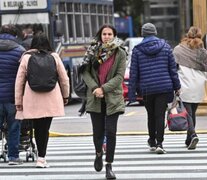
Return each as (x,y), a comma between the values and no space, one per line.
(41,134)
(105,125)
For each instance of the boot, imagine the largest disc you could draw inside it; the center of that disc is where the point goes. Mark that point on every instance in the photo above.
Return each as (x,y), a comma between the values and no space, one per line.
(98,163)
(109,173)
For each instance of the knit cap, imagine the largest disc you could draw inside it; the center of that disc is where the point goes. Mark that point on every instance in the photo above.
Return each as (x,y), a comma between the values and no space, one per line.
(149,29)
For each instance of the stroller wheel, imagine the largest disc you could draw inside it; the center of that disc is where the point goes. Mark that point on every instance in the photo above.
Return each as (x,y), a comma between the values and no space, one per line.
(27,156)
(4,156)
(33,157)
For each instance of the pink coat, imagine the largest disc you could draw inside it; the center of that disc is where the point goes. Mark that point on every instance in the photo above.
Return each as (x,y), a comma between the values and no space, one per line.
(40,104)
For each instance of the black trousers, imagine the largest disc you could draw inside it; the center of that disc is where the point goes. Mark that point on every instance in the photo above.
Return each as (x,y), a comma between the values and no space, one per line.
(156,105)
(105,125)
(41,134)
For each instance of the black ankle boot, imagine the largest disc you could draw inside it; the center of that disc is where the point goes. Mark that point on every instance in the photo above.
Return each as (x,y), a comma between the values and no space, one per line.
(98,163)
(109,173)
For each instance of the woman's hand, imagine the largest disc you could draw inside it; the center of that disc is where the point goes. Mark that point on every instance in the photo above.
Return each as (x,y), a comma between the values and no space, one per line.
(177,92)
(19,107)
(98,92)
(65,101)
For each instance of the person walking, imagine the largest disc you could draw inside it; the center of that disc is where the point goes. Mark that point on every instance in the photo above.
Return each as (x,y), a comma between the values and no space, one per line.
(103,75)
(191,58)
(153,74)
(27,36)
(10,53)
(40,107)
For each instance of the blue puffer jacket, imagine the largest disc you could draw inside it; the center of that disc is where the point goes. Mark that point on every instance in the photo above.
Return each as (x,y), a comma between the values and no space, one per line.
(10,53)
(153,69)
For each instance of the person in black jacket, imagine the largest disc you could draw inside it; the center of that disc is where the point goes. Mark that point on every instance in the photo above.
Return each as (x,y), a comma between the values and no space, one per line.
(10,53)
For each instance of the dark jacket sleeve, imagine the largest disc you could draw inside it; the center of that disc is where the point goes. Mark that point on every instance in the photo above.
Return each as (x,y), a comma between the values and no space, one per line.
(133,77)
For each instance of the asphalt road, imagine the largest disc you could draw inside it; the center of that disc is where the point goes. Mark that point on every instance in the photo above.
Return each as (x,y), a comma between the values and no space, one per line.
(134,121)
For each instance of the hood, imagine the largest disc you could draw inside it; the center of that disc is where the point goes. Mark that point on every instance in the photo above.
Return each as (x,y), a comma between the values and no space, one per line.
(151,45)
(7,42)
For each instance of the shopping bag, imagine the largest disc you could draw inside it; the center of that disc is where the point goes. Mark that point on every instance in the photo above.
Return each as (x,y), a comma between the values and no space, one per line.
(177,116)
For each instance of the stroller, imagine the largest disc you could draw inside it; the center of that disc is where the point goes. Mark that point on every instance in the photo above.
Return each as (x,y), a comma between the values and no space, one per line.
(26,141)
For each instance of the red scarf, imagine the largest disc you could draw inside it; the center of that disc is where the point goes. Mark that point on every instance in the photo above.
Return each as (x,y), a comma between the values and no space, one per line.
(105,68)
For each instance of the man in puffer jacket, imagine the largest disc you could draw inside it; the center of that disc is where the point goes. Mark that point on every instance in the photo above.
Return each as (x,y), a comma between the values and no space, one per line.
(10,53)
(153,74)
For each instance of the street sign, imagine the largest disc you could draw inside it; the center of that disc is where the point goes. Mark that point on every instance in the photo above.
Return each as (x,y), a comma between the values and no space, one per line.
(8,5)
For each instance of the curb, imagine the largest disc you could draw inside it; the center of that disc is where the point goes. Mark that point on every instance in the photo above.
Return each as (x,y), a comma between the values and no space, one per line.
(130,133)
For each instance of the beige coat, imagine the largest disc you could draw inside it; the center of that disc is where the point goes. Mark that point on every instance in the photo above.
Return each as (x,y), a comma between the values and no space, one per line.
(40,104)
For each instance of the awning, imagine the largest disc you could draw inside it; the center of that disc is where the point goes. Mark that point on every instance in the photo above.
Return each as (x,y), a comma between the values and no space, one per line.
(37,18)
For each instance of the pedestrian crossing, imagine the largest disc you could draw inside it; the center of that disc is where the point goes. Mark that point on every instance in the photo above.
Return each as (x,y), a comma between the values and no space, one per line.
(72,158)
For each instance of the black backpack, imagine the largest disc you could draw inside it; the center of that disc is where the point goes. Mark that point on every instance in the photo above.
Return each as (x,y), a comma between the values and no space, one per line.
(42,73)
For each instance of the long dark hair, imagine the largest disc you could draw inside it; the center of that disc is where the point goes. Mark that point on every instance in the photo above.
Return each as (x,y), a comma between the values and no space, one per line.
(41,42)
(98,34)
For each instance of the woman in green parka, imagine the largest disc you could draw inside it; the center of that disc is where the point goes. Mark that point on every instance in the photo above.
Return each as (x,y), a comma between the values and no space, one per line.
(103,75)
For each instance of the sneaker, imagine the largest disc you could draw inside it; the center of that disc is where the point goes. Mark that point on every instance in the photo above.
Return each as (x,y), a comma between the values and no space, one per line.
(152,145)
(41,163)
(15,161)
(159,149)
(193,142)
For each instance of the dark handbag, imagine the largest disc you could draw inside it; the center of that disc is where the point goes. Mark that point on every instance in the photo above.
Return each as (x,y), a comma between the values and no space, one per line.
(177,116)
(79,85)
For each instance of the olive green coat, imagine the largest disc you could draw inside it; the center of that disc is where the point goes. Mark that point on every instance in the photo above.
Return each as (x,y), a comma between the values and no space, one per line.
(113,92)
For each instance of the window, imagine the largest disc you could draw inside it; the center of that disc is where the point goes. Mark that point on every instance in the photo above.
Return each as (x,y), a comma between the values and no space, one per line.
(93,8)
(78,25)
(85,8)
(100,21)
(86,25)
(105,10)
(65,35)
(77,7)
(100,9)
(94,25)
(69,7)
(70,26)
(62,7)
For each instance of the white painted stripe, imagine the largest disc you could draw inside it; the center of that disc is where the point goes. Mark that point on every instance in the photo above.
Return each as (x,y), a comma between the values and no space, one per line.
(115,168)
(70,117)
(126,176)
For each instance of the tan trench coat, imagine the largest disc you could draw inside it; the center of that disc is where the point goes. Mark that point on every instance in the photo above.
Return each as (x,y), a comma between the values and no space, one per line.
(40,104)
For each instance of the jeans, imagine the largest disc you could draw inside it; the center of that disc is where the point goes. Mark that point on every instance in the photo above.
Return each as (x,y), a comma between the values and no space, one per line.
(105,125)
(156,105)
(7,112)
(191,109)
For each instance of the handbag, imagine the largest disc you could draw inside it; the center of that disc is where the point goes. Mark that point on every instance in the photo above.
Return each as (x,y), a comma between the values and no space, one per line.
(177,116)
(79,85)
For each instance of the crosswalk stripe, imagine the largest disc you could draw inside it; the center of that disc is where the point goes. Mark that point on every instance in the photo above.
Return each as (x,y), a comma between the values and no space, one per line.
(72,158)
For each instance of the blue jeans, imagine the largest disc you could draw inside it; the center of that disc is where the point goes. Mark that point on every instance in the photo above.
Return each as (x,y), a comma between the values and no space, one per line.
(191,109)
(7,112)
